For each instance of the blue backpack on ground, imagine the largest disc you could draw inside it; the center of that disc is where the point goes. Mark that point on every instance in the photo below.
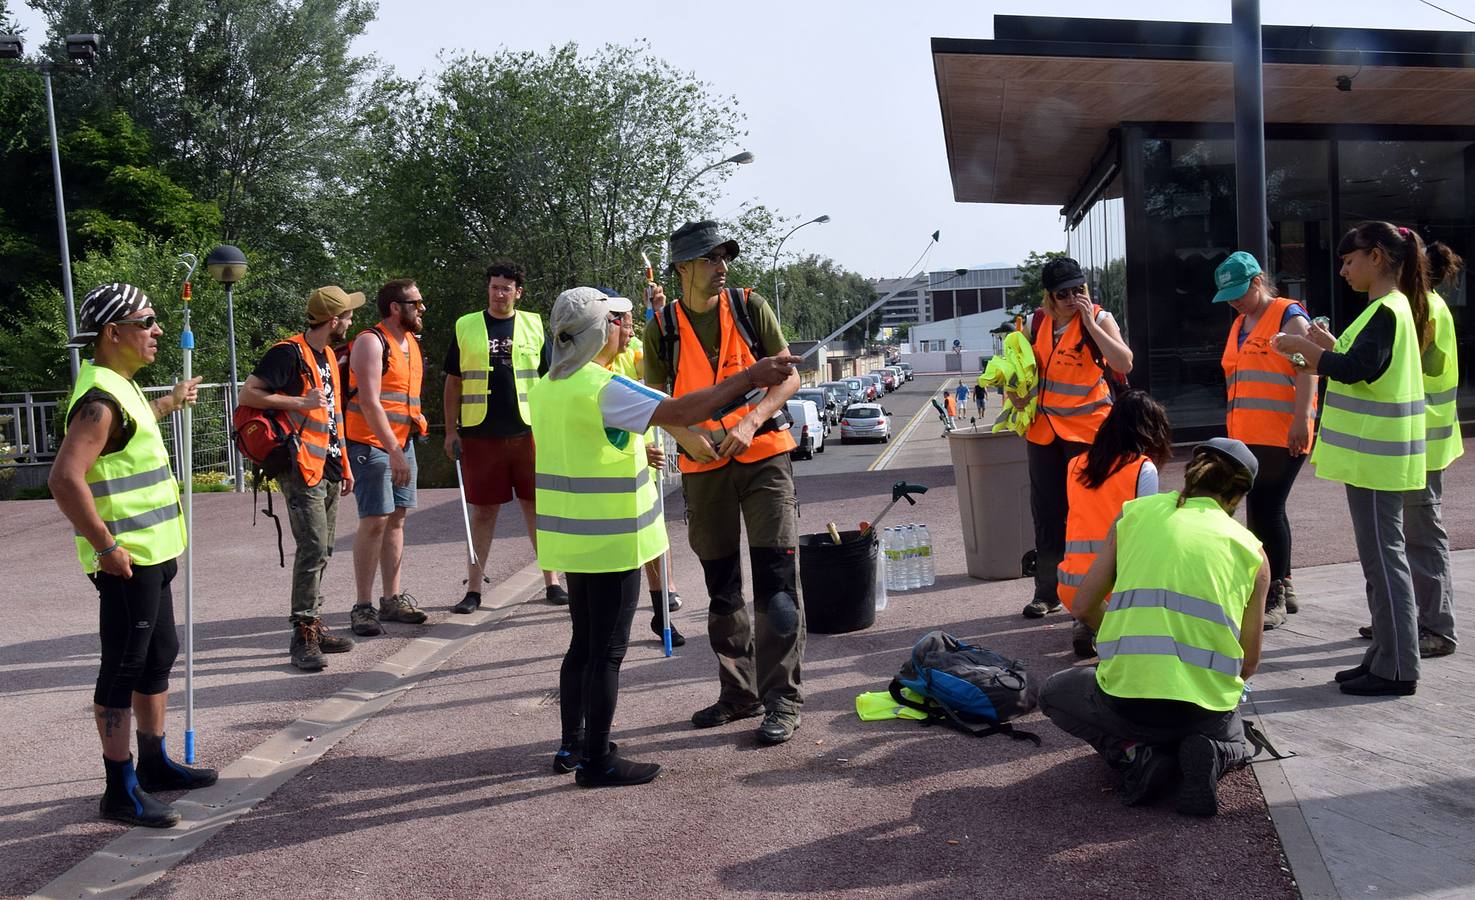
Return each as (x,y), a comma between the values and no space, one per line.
(970,688)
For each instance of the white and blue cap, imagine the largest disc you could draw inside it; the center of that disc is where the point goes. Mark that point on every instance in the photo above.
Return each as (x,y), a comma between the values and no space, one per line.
(580,326)
(1234,451)
(103,305)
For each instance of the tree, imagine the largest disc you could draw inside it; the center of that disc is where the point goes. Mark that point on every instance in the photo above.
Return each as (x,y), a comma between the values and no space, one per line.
(1024,298)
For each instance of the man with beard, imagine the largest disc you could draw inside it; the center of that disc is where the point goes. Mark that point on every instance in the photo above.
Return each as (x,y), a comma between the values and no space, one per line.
(382,421)
(299,376)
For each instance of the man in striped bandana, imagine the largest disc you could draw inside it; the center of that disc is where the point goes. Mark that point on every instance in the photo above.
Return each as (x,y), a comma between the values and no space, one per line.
(112,481)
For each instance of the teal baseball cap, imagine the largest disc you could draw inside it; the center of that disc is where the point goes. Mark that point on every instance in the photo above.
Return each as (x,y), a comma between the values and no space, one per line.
(1233,276)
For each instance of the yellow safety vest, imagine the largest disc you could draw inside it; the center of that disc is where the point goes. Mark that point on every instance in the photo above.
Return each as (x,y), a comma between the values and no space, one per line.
(598,507)
(1184,576)
(133,489)
(1372,435)
(476,362)
(1442,441)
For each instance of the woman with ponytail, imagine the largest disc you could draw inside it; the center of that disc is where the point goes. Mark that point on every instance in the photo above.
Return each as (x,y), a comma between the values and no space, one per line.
(1372,435)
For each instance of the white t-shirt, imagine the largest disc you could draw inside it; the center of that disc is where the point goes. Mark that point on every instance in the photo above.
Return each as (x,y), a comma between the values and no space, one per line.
(628,405)
(1147,479)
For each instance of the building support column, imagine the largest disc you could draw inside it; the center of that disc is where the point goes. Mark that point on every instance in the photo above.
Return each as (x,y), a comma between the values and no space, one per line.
(1249,131)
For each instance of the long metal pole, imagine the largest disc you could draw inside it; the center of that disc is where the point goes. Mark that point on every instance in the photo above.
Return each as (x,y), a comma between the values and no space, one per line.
(230,335)
(61,228)
(1249,131)
(187,479)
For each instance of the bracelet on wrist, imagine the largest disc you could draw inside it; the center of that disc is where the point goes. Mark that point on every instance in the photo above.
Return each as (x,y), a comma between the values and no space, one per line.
(99,554)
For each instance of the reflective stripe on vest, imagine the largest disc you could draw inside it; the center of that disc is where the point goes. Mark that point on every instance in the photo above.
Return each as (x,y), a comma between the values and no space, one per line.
(694,372)
(1089,521)
(1261,383)
(317,430)
(597,505)
(1184,575)
(399,394)
(1074,396)
(133,489)
(1372,435)
(1442,441)
(476,361)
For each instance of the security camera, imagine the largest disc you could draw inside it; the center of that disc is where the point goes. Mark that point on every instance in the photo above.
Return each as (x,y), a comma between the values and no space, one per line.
(11,47)
(83,47)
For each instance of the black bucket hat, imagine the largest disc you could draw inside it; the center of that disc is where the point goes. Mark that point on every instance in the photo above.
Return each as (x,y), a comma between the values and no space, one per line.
(697,239)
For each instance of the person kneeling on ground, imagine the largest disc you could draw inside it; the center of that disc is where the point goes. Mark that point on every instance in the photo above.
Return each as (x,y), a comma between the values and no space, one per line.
(1177,637)
(598,511)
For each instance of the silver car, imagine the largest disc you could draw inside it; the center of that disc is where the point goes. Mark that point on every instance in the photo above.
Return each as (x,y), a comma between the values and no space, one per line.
(865,422)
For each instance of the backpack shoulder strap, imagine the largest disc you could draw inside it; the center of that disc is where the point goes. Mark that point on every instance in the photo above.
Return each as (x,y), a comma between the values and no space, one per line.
(743,319)
(1035,319)
(669,349)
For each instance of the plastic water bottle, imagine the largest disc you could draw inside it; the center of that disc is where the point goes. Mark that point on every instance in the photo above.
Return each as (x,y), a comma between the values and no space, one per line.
(883,578)
(914,558)
(929,563)
(892,551)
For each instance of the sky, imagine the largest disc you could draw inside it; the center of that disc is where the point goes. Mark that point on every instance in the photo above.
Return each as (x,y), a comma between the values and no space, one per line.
(840,98)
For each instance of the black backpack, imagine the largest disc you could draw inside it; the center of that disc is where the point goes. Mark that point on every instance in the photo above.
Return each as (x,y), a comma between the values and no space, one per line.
(974,690)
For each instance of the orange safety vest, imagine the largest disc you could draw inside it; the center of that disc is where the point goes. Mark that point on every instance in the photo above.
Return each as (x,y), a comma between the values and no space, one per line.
(312,449)
(1074,396)
(694,372)
(1261,382)
(399,394)
(1092,512)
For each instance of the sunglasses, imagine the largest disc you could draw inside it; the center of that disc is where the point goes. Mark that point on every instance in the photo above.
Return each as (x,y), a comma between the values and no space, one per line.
(1066,293)
(146,323)
(418,304)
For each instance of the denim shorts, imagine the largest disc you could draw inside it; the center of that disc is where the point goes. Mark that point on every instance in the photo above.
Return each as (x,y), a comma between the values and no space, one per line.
(376,494)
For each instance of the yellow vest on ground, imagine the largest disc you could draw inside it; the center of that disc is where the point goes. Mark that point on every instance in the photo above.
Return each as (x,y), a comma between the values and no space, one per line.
(1184,576)
(1442,442)
(476,360)
(133,489)
(1372,435)
(598,509)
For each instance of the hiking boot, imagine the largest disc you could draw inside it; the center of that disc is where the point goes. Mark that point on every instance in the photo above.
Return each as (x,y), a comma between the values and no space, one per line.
(1350,674)
(1365,632)
(1039,609)
(720,713)
(1432,645)
(1151,770)
(469,603)
(1198,760)
(307,653)
(364,619)
(332,643)
(566,759)
(1370,685)
(1275,606)
(124,801)
(556,595)
(401,608)
(1082,639)
(1293,605)
(673,600)
(677,639)
(157,772)
(612,771)
(778,726)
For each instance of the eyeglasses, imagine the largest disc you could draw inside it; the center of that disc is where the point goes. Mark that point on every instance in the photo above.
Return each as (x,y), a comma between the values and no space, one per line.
(1066,293)
(418,304)
(716,259)
(146,323)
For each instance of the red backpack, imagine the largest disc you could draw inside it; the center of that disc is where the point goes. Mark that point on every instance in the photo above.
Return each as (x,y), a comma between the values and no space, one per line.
(266,438)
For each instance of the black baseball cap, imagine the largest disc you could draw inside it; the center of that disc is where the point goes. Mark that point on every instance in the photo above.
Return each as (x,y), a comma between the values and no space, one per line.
(697,239)
(1059,274)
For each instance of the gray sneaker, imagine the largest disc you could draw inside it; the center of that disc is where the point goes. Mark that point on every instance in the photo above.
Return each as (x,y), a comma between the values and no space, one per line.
(364,620)
(401,608)
(1275,606)
(1432,645)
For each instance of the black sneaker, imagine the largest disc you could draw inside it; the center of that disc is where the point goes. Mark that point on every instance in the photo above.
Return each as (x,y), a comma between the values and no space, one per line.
(124,801)
(778,726)
(677,640)
(1371,685)
(1152,769)
(612,771)
(673,600)
(469,603)
(1350,674)
(307,654)
(556,595)
(566,759)
(720,713)
(364,619)
(1198,759)
(1038,609)
(1365,632)
(1082,639)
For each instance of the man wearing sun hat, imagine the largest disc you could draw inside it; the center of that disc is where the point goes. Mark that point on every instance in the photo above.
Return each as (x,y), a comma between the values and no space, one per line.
(112,480)
(598,512)
(299,376)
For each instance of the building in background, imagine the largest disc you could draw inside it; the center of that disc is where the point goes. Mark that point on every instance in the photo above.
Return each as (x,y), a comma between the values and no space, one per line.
(910,305)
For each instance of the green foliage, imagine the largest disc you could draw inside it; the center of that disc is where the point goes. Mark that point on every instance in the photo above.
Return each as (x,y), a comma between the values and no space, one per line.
(819,296)
(1024,298)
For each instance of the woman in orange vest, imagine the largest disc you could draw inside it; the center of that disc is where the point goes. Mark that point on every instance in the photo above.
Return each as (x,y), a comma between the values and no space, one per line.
(1121,465)
(1271,407)
(1075,343)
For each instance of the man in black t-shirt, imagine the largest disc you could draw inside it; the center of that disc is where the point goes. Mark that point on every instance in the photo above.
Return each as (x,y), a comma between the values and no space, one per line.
(310,395)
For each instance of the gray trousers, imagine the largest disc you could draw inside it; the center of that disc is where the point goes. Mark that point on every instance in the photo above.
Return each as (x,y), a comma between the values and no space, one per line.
(1377,524)
(1075,702)
(1428,557)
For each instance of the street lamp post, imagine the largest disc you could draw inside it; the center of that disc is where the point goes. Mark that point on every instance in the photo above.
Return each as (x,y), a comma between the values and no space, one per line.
(227,265)
(777,305)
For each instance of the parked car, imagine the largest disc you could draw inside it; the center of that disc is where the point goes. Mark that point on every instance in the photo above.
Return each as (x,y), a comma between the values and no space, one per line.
(901,377)
(865,422)
(888,378)
(808,428)
(844,396)
(861,389)
(906,369)
(825,401)
(881,389)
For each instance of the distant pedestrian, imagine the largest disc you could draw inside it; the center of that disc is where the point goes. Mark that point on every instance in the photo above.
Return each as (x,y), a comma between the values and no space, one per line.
(961,392)
(111,479)
(980,399)
(950,404)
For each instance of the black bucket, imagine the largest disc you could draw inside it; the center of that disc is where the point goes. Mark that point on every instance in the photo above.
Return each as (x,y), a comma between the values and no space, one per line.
(839,581)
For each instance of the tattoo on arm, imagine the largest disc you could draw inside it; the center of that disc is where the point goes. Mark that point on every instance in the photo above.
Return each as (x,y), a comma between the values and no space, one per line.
(92,412)
(111,719)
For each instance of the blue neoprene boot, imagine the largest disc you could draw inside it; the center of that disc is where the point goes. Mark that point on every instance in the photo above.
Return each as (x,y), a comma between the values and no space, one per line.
(124,801)
(157,772)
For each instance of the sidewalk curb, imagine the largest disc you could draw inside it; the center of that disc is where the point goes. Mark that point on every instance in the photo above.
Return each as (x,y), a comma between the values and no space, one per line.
(1308,868)
(141,856)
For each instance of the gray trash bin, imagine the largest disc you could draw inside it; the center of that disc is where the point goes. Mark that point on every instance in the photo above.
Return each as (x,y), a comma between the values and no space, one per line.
(992,474)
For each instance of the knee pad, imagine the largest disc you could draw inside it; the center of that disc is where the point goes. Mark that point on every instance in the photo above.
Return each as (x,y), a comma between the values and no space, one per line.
(724,576)
(774,570)
(781,611)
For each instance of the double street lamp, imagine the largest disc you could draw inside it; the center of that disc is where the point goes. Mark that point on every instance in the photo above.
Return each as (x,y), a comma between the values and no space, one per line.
(778,308)
(80,48)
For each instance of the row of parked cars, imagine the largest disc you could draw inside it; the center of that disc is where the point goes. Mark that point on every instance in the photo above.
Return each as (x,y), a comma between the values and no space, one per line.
(847,402)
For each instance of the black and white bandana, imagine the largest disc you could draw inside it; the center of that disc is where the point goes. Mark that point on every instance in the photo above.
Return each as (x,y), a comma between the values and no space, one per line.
(103,304)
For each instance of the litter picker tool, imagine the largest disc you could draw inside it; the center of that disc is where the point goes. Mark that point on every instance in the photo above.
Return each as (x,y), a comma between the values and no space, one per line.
(187,477)
(650,293)
(899,490)
(465,517)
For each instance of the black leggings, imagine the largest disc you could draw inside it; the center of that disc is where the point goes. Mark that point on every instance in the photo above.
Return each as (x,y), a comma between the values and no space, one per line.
(135,618)
(602,606)
(1265,507)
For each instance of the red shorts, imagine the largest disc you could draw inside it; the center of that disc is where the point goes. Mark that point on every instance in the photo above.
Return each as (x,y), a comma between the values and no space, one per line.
(495,468)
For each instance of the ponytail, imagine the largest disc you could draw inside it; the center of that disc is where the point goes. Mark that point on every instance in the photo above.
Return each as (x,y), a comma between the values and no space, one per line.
(1445,265)
(1405,252)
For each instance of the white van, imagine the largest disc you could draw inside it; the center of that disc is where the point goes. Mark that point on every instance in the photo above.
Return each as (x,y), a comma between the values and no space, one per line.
(808,428)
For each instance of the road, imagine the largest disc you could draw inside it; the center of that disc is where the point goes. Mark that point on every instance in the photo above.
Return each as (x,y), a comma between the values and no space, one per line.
(904,406)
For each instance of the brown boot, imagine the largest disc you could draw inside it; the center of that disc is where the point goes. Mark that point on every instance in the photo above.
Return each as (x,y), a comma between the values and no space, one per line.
(332,643)
(307,653)
(1275,605)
